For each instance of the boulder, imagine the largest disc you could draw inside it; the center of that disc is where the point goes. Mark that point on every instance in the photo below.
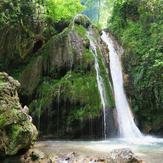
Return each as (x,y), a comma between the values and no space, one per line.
(124,155)
(16,130)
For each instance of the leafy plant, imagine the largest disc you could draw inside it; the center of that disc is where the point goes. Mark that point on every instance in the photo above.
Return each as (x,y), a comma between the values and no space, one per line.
(58,10)
(138,26)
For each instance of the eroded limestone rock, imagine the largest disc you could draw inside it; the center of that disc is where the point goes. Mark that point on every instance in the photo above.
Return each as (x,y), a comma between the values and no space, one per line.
(16,130)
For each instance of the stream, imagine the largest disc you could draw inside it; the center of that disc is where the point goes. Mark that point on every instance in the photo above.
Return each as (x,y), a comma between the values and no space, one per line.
(149,151)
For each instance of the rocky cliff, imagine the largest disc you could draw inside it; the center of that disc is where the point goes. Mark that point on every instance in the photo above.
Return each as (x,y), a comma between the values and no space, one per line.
(59,84)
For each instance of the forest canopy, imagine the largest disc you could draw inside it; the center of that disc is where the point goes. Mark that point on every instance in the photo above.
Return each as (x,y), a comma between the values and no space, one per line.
(62,10)
(24,22)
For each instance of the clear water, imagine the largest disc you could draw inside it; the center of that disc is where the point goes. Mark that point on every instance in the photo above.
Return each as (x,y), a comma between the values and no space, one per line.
(149,152)
(126,124)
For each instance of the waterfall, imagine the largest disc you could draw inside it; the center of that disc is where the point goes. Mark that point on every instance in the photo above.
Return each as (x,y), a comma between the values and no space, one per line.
(58,108)
(100,82)
(127,126)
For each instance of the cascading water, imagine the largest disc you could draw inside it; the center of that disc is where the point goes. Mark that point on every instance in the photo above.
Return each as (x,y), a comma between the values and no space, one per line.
(100,82)
(127,126)
(58,108)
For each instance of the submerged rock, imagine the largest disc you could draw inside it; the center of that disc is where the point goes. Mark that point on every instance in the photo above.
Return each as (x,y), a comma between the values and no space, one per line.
(16,130)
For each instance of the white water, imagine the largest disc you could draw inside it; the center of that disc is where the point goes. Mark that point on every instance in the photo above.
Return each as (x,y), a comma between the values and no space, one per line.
(127,126)
(100,82)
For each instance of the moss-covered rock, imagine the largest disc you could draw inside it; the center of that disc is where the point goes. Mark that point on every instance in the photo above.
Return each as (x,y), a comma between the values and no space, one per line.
(33,72)
(16,129)
(82,20)
(59,84)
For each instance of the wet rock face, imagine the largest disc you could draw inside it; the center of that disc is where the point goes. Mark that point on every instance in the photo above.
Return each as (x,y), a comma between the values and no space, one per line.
(16,130)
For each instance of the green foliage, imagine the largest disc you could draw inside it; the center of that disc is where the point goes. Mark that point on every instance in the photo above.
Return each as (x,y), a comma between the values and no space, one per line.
(58,10)
(108,90)
(138,26)
(44,97)
(88,60)
(78,89)
(82,92)
(81,30)
(21,26)
(25,23)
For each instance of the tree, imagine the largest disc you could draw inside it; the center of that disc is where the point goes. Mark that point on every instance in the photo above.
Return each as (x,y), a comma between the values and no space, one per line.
(58,10)
(138,26)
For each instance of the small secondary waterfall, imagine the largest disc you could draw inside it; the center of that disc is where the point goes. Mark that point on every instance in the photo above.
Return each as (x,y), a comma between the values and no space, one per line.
(127,126)
(100,82)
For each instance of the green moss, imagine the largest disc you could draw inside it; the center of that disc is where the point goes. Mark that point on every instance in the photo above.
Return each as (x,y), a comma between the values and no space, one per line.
(79,87)
(11,116)
(61,35)
(14,131)
(18,135)
(80,90)
(17,131)
(105,77)
(8,117)
(88,57)
(80,30)
(44,97)
(87,62)
(82,20)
